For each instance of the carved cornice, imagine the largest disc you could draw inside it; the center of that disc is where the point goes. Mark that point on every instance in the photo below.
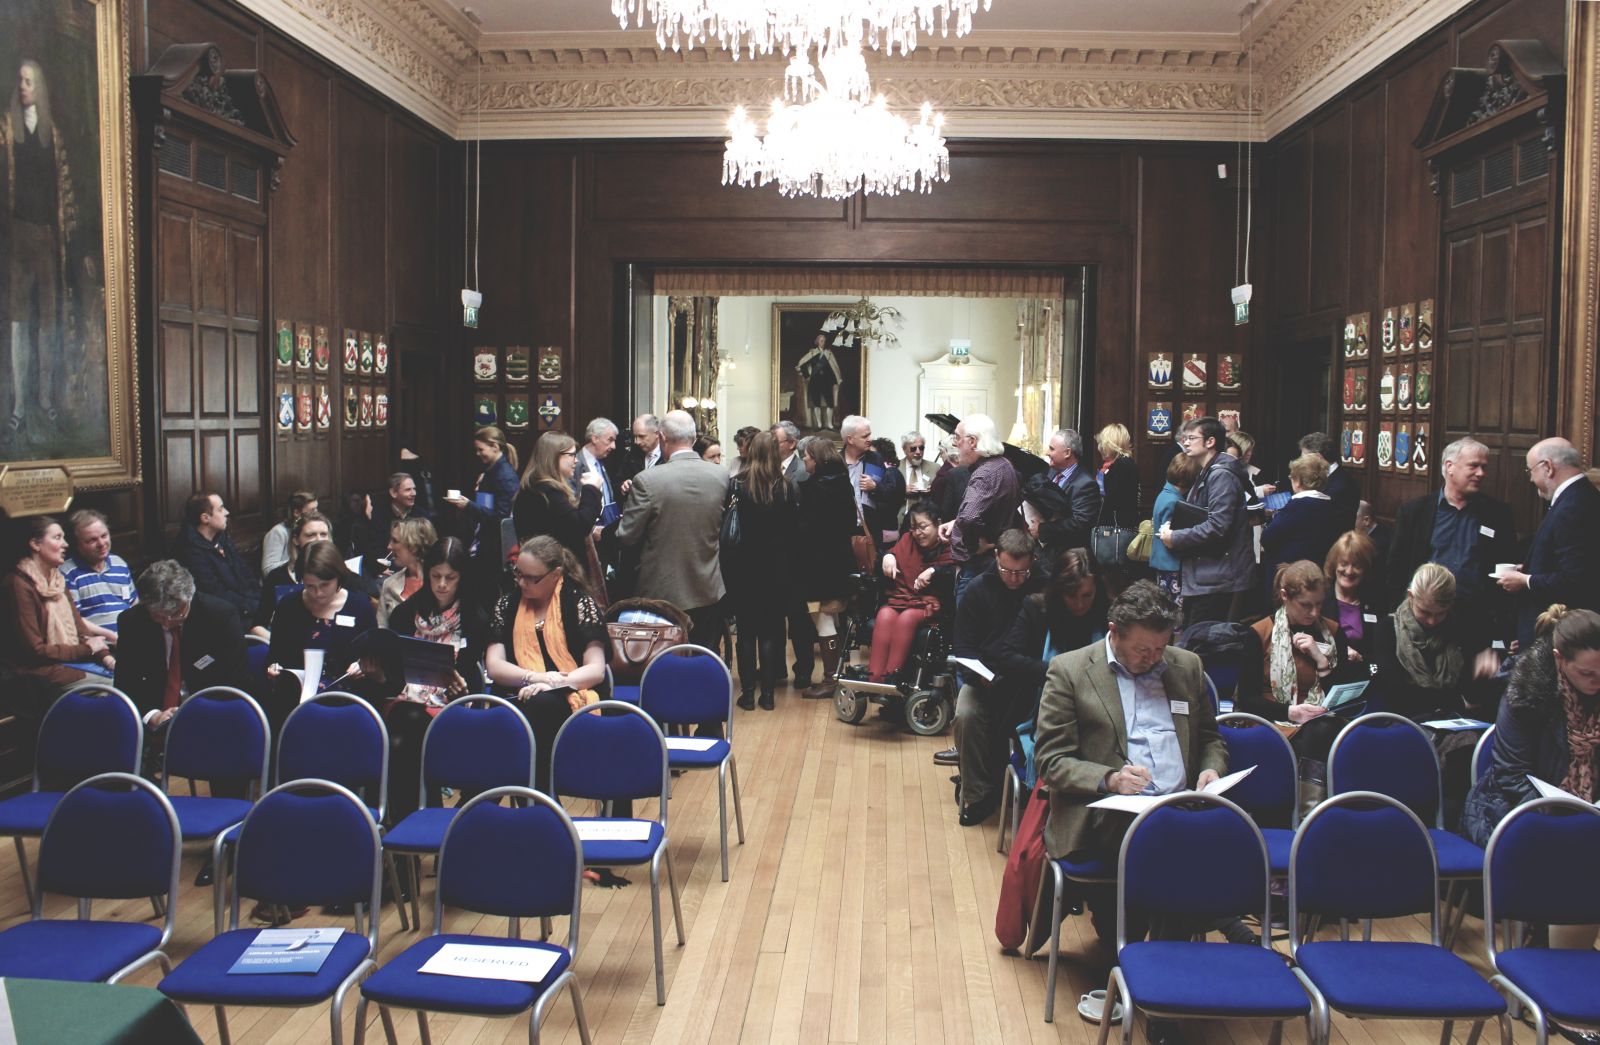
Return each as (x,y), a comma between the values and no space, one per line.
(428,57)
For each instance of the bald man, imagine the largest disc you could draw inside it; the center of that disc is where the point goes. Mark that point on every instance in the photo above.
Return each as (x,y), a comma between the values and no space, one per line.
(1564,560)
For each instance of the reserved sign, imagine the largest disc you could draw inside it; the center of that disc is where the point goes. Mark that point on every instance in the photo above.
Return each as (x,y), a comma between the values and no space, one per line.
(487,961)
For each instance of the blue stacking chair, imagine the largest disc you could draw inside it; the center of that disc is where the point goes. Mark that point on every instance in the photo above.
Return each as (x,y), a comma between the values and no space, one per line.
(1271,794)
(1092,872)
(114,836)
(476,743)
(612,752)
(92,728)
(692,684)
(1390,754)
(306,843)
(1483,754)
(1362,855)
(1159,876)
(519,861)
(1540,868)
(257,653)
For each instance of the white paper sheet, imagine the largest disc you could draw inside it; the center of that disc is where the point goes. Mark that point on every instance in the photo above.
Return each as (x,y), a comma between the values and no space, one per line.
(1139,803)
(311,676)
(1455,725)
(691,743)
(974,666)
(353,565)
(1548,790)
(613,830)
(491,962)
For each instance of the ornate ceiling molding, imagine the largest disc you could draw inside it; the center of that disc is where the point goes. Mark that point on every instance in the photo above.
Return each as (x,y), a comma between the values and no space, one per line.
(431,59)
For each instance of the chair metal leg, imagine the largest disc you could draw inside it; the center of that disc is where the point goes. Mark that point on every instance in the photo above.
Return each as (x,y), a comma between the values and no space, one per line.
(1276,1036)
(361,1019)
(1366,930)
(22,864)
(672,884)
(577,1011)
(394,887)
(422,1027)
(738,805)
(388,1025)
(1005,811)
(416,890)
(544,929)
(1505,1028)
(1055,945)
(1477,1032)
(655,926)
(1444,1036)
(722,814)
(158,907)
(222,1025)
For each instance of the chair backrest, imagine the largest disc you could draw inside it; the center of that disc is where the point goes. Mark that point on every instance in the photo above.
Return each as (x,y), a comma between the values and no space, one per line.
(1540,866)
(1224,676)
(523,860)
(1483,754)
(257,654)
(610,751)
(310,843)
(687,683)
(339,737)
(114,836)
(219,733)
(92,728)
(1157,875)
(1271,794)
(476,743)
(1363,855)
(1389,754)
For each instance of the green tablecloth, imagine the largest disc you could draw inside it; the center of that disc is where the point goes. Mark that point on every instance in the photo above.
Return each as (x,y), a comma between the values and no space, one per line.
(48,1012)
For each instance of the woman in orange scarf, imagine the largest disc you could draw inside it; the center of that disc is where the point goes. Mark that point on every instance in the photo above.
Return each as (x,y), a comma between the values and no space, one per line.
(44,635)
(547,643)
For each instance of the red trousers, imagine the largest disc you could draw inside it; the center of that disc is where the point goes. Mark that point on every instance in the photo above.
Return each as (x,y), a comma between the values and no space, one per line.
(892,636)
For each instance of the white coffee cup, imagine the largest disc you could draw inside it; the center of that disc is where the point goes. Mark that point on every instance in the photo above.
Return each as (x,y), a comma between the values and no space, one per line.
(1502,568)
(452,495)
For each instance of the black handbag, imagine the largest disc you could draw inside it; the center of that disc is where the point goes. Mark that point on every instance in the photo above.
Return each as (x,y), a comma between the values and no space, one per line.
(732,533)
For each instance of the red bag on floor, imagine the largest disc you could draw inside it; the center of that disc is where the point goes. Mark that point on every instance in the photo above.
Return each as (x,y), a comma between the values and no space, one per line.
(1019,886)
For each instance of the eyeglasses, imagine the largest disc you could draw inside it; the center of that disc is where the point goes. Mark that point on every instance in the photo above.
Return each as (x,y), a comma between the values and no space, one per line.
(1017,574)
(570,453)
(528,578)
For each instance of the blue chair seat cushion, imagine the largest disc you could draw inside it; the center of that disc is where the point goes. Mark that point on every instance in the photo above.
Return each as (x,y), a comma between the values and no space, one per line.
(203,977)
(609,853)
(420,832)
(200,817)
(27,814)
(399,983)
(1412,980)
(1093,868)
(1562,982)
(627,694)
(1220,979)
(710,758)
(85,952)
(1458,858)
(1279,841)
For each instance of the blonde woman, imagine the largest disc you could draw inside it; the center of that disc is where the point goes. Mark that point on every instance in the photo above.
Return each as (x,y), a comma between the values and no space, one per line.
(1118,477)
(409,541)
(550,503)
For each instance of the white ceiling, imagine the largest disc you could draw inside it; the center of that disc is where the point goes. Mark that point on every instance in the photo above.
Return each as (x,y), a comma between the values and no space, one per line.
(1006,16)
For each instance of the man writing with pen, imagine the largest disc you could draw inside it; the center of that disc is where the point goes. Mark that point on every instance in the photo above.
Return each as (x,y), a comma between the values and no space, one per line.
(1126,716)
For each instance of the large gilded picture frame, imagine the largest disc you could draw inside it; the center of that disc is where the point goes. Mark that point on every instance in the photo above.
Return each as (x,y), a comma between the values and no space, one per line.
(815,400)
(67,373)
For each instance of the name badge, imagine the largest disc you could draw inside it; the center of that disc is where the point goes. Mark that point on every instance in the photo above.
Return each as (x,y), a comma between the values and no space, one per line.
(204,662)
(1370,618)
(1180,707)
(344,620)
(1487,531)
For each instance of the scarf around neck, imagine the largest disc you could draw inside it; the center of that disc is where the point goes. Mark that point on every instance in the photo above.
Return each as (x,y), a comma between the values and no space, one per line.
(1282,672)
(1432,661)
(1583,734)
(525,639)
(59,627)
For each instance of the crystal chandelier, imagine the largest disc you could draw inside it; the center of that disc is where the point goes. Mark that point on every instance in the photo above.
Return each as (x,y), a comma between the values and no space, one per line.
(794,26)
(864,322)
(834,143)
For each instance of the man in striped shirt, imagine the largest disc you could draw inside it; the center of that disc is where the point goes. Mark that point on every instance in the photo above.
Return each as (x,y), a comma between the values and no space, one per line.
(100,583)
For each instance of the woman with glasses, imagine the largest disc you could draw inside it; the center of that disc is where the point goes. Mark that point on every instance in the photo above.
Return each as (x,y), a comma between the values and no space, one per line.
(308,529)
(924,575)
(326,614)
(549,503)
(547,643)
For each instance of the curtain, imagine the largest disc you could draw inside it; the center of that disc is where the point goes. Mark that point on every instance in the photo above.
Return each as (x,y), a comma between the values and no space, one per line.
(862,281)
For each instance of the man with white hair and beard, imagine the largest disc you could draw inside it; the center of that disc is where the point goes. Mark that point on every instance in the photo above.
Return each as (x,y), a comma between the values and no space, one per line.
(989,504)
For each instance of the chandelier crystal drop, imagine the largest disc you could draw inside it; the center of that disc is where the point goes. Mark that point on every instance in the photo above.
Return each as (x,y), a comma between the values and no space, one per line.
(757,27)
(836,142)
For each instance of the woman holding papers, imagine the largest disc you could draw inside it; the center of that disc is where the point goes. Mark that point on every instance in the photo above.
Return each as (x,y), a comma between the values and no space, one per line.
(1548,726)
(547,643)
(284,579)
(1302,656)
(326,615)
(409,541)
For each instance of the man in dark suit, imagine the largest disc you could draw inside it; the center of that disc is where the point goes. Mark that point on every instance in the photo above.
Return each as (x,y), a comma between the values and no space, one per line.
(788,437)
(1382,536)
(1462,529)
(1564,560)
(1074,479)
(673,515)
(175,642)
(204,549)
(1341,486)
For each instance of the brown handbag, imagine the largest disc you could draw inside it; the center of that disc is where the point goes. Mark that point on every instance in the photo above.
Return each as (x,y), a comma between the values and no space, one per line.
(633,646)
(863,546)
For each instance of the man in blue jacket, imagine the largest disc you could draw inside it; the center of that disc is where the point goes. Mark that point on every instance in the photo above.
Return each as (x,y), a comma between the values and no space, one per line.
(1216,552)
(206,551)
(1564,560)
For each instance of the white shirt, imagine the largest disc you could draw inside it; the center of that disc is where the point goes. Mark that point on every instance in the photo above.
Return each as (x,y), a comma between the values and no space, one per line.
(595,465)
(786,460)
(1560,489)
(1147,720)
(30,118)
(653,458)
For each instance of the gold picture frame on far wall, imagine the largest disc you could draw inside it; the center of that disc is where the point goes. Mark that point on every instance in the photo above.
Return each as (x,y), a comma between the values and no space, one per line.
(77,406)
(794,331)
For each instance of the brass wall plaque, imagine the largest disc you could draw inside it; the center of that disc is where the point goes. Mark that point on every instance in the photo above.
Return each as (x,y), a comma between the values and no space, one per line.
(34,491)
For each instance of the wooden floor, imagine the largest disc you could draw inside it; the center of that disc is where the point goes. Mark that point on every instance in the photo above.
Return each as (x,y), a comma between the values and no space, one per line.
(857,911)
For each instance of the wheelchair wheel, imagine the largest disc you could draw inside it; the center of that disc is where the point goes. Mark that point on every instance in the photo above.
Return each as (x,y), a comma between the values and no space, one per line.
(849,705)
(927,712)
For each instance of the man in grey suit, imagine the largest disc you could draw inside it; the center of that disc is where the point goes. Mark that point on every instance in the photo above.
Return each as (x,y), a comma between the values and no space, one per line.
(673,515)
(1125,716)
(788,437)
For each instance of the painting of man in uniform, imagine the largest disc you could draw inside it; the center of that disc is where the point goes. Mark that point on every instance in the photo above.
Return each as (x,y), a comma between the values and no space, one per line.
(817,382)
(53,391)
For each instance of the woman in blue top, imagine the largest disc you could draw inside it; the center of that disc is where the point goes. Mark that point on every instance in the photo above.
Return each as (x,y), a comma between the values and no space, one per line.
(1182,471)
(493,496)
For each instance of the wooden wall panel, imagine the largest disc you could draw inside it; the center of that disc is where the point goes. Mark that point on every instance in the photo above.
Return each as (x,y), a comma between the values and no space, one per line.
(1330,211)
